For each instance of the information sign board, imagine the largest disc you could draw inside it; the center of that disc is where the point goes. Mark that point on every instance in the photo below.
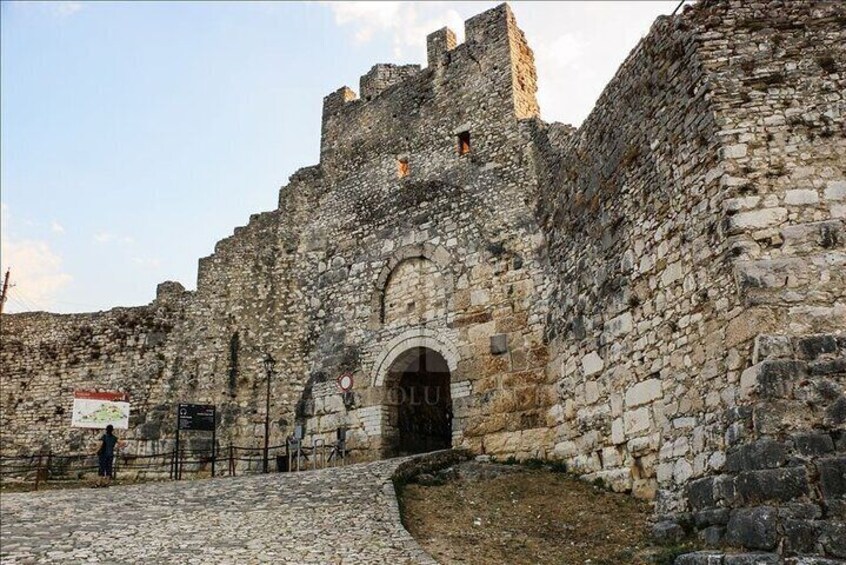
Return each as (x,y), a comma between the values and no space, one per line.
(199,417)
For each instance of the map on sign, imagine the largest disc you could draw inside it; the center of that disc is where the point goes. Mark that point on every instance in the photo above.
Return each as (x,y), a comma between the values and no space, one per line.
(99,409)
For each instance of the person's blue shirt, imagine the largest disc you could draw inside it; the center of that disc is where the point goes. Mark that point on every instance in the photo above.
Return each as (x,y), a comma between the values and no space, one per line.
(107,449)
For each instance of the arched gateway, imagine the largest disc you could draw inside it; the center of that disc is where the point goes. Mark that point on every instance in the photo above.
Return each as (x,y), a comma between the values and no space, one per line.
(419,403)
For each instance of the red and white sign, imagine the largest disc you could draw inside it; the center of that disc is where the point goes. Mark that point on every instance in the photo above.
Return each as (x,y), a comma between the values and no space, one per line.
(345,382)
(96,409)
(101,395)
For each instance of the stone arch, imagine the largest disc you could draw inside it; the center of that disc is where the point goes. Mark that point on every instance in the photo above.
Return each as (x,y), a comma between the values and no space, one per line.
(435,253)
(416,338)
(418,403)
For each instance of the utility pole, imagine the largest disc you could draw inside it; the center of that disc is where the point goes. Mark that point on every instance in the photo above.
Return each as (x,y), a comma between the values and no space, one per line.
(5,289)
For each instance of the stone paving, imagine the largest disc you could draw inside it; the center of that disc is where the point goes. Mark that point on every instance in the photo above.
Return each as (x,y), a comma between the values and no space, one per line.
(340,515)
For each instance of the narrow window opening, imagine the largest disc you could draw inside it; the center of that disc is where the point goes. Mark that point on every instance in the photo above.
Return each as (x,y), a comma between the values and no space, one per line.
(402,167)
(464,143)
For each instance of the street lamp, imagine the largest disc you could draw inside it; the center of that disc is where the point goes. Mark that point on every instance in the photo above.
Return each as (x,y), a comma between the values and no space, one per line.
(269,363)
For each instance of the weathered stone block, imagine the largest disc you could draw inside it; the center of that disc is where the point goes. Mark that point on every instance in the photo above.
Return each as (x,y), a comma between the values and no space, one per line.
(619,326)
(667,532)
(700,493)
(836,190)
(752,559)
(712,517)
(771,347)
(810,560)
(772,485)
(833,537)
(643,393)
(813,444)
(827,367)
(712,536)
(618,435)
(800,536)
(777,377)
(811,347)
(835,414)
(799,511)
(801,197)
(637,421)
(753,528)
(832,477)
(592,364)
(757,219)
(762,454)
(700,558)
(734,151)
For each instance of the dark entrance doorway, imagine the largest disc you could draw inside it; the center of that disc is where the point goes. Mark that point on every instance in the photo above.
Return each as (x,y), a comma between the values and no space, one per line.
(421,407)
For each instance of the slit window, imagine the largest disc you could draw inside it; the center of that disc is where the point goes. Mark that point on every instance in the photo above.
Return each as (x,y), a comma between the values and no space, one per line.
(464,143)
(402,167)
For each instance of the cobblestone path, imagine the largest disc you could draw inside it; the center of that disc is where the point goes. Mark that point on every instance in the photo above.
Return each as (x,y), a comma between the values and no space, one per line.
(341,515)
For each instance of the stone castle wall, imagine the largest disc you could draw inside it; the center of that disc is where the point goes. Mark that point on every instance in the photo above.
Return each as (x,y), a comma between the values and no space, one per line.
(655,298)
(707,184)
(641,302)
(45,357)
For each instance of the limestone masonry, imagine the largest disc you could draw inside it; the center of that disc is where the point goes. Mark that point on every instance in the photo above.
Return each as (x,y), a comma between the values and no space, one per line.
(657,298)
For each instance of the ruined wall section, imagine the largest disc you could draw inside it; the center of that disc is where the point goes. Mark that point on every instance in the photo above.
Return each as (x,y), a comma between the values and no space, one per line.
(708,185)
(631,209)
(778,88)
(46,357)
(777,72)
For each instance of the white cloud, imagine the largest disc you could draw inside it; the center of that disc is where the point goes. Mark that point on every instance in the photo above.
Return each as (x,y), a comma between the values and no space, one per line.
(56,8)
(56,227)
(66,8)
(578,45)
(103,237)
(406,23)
(36,272)
(150,263)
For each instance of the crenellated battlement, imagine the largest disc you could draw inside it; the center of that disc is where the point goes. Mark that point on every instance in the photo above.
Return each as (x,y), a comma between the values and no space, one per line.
(438,43)
(491,76)
(383,76)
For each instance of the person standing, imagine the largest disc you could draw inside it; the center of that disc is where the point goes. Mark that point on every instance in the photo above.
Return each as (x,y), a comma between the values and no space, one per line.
(106,453)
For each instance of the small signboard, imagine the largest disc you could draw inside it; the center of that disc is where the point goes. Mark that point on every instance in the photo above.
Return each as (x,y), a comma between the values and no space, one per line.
(93,409)
(198,417)
(345,382)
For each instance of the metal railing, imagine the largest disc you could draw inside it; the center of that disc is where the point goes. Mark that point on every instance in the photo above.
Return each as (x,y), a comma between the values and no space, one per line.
(230,460)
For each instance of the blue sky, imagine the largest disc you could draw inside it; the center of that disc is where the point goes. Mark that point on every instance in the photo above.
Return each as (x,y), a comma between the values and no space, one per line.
(136,135)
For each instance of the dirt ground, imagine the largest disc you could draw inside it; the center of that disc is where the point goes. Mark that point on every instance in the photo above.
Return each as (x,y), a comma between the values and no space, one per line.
(520,515)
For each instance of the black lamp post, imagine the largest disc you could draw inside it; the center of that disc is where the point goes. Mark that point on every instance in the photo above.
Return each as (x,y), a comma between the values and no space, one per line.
(269,363)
